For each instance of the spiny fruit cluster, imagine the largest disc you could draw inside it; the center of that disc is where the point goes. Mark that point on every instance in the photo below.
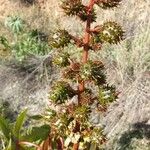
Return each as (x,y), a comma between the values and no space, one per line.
(75,101)
(110,32)
(62,59)
(76,8)
(105,4)
(61,38)
(61,91)
(93,71)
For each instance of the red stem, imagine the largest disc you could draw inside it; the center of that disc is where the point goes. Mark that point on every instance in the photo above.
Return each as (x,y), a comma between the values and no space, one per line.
(60,145)
(86,41)
(76,146)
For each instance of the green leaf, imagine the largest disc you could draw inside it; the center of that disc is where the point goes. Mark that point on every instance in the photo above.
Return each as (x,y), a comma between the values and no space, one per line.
(10,146)
(36,117)
(37,134)
(4,127)
(19,122)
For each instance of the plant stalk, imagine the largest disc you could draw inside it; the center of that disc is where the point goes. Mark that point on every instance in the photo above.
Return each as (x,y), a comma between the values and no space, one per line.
(86,41)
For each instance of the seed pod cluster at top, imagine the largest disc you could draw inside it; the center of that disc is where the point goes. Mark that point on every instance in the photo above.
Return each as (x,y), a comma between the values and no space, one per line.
(76,8)
(60,39)
(110,32)
(105,4)
(61,91)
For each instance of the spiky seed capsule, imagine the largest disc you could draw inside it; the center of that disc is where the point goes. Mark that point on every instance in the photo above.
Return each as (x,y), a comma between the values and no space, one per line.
(72,7)
(93,71)
(69,73)
(98,73)
(61,91)
(110,32)
(82,112)
(105,4)
(60,39)
(84,16)
(76,8)
(86,97)
(86,71)
(107,94)
(62,60)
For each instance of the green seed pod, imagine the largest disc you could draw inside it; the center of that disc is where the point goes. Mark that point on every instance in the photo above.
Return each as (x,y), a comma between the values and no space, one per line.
(106,4)
(110,32)
(86,70)
(82,112)
(61,91)
(107,94)
(62,60)
(72,7)
(60,39)
(93,71)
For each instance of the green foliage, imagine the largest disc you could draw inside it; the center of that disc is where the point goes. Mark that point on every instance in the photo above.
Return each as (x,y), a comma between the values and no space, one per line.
(25,41)
(29,45)
(19,123)
(15,24)
(4,42)
(13,133)
(5,128)
(39,133)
